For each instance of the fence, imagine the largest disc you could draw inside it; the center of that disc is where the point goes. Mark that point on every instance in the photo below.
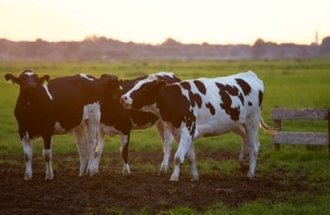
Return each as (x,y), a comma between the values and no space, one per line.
(300,138)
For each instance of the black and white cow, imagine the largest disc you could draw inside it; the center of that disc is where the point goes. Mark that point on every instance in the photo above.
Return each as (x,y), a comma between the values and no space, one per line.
(61,106)
(115,120)
(204,107)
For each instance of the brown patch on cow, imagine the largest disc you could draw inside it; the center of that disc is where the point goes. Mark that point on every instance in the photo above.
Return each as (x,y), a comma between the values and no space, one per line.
(241,97)
(178,111)
(250,103)
(210,107)
(260,97)
(200,86)
(244,85)
(186,85)
(195,99)
(225,92)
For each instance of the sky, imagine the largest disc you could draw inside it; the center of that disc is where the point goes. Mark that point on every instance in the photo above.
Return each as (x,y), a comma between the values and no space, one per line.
(153,21)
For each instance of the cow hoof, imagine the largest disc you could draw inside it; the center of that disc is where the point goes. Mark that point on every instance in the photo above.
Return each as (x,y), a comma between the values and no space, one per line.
(126,169)
(49,177)
(27,177)
(251,176)
(174,178)
(126,172)
(163,169)
(194,177)
(92,172)
(244,167)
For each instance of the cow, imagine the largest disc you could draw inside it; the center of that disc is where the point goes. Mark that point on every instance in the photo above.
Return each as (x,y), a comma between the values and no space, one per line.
(204,107)
(115,120)
(46,107)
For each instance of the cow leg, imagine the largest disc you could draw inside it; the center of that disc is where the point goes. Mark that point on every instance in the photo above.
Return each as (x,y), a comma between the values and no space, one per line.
(192,158)
(81,138)
(184,146)
(93,124)
(99,150)
(47,155)
(245,147)
(252,133)
(167,139)
(124,153)
(26,143)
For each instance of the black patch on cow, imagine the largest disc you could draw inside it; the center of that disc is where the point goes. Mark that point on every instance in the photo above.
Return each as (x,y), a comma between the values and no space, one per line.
(260,97)
(186,85)
(210,107)
(250,103)
(225,91)
(178,111)
(241,97)
(70,94)
(200,86)
(140,98)
(195,98)
(244,85)
(37,114)
(141,119)
(113,113)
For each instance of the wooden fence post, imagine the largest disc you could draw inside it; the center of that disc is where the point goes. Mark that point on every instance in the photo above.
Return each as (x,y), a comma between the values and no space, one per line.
(278,126)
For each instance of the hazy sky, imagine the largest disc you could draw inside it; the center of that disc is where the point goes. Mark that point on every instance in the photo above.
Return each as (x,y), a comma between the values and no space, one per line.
(152,21)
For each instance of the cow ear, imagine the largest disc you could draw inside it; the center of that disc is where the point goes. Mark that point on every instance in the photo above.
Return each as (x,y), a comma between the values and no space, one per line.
(43,79)
(160,84)
(10,77)
(121,84)
(108,79)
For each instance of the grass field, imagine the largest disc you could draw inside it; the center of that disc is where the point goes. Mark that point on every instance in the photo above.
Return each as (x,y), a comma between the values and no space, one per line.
(289,83)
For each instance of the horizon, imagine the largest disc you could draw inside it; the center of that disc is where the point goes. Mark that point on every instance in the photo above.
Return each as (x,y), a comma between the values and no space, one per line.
(91,37)
(154,21)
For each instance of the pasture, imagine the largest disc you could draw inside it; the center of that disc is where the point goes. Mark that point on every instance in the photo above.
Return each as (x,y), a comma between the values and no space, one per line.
(290,181)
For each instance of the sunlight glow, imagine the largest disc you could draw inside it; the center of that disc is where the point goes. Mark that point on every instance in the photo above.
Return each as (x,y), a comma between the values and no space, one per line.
(152,21)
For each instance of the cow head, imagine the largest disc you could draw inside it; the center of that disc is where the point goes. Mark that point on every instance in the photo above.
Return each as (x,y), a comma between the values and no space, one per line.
(28,81)
(111,85)
(143,95)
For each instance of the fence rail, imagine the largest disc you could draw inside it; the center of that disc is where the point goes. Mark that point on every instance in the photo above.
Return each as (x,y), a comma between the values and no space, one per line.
(300,138)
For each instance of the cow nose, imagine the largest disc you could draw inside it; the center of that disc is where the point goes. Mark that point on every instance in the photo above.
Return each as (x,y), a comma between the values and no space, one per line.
(123,99)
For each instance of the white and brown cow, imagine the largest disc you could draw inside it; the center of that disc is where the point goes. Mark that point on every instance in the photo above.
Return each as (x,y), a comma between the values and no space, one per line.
(204,107)
(115,120)
(63,105)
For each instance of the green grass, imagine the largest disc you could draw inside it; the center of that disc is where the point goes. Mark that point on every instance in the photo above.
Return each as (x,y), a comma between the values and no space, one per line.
(289,83)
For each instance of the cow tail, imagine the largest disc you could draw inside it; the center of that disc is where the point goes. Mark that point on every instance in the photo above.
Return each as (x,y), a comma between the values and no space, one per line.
(266,128)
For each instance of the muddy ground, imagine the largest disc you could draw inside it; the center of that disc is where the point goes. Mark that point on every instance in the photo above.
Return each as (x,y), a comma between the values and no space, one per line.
(111,192)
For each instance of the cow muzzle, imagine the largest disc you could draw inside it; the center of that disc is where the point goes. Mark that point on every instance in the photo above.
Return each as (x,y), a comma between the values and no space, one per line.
(125,101)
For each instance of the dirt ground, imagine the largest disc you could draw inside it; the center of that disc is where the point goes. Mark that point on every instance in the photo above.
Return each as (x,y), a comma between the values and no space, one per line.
(111,192)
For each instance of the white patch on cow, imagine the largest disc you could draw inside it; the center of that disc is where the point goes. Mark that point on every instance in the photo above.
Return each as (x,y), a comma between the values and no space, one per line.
(91,110)
(47,155)
(93,114)
(109,130)
(163,73)
(29,73)
(151,108)
(136,126)
(58,129)
(86,76)
(150,78)
(45,86)
(126,169)
(26,143)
